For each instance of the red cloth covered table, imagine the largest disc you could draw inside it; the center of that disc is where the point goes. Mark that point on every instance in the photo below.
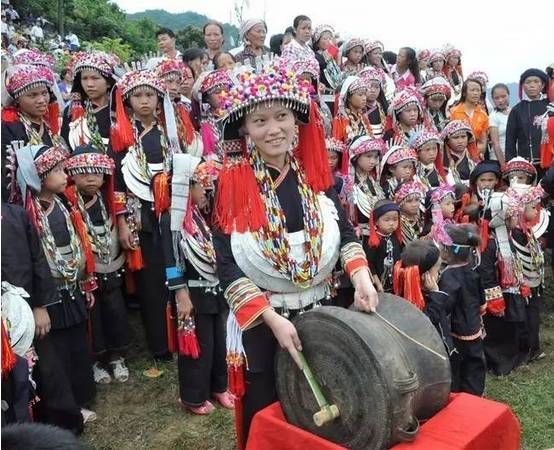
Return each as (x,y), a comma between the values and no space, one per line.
(466,423)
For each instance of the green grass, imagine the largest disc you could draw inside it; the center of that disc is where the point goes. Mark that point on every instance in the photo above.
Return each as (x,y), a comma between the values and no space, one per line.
(143,414)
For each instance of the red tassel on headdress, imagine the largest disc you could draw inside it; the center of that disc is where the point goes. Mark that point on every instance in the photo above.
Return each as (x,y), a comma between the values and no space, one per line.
(238,202)
(134,260)
(484,229)
(110,196)
(345,163)
(338,126)
(473,151)
(10,114)
(53,118)
(187,123)
(188,342)
(81,230)
(160,189)
(8,355)
(439,164)
(459,215)
(312,154)
(374,238)
(406,283)
(121,132)
(170,328)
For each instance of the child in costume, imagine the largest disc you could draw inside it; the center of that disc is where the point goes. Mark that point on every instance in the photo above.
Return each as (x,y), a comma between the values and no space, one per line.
(92,195)
(416,277)
(191,275)
(397,166)
(353,51)
(440,208)
(337,154)
(429,167)
(519,171)
(351,120)
(365,154)
(409,197)
(436,92)
(466,304)
(377,105)
(41,180)
(405,113)
(384,246)
(458,137)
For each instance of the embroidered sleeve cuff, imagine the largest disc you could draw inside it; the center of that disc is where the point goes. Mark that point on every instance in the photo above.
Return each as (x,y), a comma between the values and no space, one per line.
(175,278)
(495,301)
(353,258)
(246,301)
(120,202)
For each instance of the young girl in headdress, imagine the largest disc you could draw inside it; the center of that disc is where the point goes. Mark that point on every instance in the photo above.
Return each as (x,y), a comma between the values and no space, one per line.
(440,208)
(529,223)
(437,61)
(423,56)
(397,166)
(405,113)
(353,51)
(337,153)
(87,117)
(416,277)
(30,112)
(429,167)
(453,69)
(458,137)
(365,154)
(466,305)
(374,53)
(91,171)
(383,247)
(42,181)
(436,93)
(409,197)
(351,120)
(519,171)
(377,105)
(191,276)
(142,193)
(330,72)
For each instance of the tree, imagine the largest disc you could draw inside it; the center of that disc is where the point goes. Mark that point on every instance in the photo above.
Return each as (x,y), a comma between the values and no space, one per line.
(111,45)
(190,37)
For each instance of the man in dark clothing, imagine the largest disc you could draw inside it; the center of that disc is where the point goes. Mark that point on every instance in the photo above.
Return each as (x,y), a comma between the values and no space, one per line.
(523,132)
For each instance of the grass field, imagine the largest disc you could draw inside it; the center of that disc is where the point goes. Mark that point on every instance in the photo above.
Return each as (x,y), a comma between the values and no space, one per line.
(143,414)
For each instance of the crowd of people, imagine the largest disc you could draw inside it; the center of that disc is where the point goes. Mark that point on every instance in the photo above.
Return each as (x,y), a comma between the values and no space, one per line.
(230,191)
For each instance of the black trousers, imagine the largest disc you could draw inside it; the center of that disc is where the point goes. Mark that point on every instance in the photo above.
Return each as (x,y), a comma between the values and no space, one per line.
(110,326)
(152,292)
(504,344)
(198,378)
(468,367)
(73,353)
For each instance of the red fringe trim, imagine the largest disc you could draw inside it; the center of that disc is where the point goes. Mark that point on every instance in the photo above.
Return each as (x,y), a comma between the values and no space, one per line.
(160,188)
(473,152)
(312,154)
(484,228)
(187,124)
(53,118)
(188,343)
(374,238)
(170,328)
(134,259)
(547,151)
(496,307)
(8,356)
(339,125)
(406,283)
(121,133)
(81,229)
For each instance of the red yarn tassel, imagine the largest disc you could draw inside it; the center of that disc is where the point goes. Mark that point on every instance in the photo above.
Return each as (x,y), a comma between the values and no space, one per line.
(77,110)
(170,328)
(8,355)
(81,229)
(134,260)
(121,132)
(312,154)
(473,152)
(484,228)
(439,164)
(374,239)
(188,342)
(546,155)
(160,188)
(10,114)
(53,118)
(187,123)
(238,204)
(407,284)
(339,125)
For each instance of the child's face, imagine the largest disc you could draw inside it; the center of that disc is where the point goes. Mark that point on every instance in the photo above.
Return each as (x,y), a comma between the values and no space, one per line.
(410,206)
(520,178)
(355,55)
(373,91)
(388,222)
(531,213)
(486,180)
(458,141)
(403,171)
(88,183)
(333,160)
(225,61)
(144,102)
(367,161)
(435,102)
(428,153)
(437,65)
(56,180)
(448,207)
(358,100)
(533,87)
(409,116)
(199,197)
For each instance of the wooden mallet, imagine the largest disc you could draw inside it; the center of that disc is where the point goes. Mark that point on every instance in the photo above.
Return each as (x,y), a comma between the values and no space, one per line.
(326,412)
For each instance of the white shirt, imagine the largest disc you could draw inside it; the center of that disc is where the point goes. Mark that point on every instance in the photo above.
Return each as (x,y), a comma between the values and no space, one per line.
(4,28)
(37,32)
(499,120)
(73,39)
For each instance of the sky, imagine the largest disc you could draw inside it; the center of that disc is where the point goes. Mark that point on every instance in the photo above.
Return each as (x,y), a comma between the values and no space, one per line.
(492,36)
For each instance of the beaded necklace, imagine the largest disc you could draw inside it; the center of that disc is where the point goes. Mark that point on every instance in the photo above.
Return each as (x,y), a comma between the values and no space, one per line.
(67,268)
(363,196)
(358,125)
(102,242)
(140,155)
(410,229)
(453,166)
(35,138)
(202,235)
(92,124)
(273,240)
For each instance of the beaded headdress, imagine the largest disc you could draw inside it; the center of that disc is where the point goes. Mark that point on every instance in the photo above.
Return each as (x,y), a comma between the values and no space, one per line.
(519,164)
(335,145)
(371,73)
(215,81)
(436,86)
(87,159)
(319,30)
(22,78)
(301,65)
(351,85)
(404,98)
(351,43)
(102,62)
(436,55)
(423,54)
(478,75)
(449,50)
(422,135)
(521,195)
(206,174)
(373,44)
(455,126)
(137,79)
(408,190)
(35,58)
(439,193)
(396,153)
(366,144)
(170,68)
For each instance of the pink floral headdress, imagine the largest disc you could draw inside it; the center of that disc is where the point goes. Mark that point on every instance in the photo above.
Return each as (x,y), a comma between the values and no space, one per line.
(140,79)
(408,190)
(34,57)
(23,78)
(102,62)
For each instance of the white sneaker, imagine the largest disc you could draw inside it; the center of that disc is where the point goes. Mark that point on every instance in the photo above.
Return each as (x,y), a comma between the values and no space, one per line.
(101,375)
(88,415)
(120,370)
